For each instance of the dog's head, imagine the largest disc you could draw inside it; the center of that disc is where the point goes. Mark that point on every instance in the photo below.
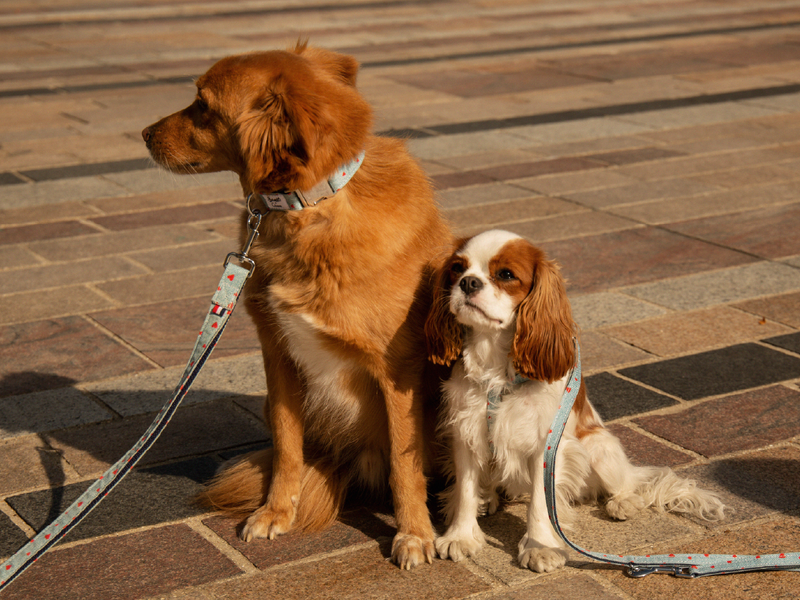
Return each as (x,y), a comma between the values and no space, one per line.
(281,120)
(499,281)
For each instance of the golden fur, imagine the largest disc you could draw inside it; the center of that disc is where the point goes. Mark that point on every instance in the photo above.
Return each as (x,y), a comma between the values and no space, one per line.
(339,294)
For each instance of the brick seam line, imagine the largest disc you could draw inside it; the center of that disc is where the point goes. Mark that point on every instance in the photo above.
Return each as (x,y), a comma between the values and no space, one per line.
(6,509)
(231,553)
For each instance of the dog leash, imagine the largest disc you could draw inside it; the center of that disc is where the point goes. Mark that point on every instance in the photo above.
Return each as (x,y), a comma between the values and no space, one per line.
(680,565)
(222,304)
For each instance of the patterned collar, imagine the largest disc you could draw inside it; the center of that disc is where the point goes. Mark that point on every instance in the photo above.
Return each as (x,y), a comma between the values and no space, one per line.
(300,199)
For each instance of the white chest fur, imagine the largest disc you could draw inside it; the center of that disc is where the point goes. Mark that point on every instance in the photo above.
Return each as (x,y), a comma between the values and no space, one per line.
(328,396)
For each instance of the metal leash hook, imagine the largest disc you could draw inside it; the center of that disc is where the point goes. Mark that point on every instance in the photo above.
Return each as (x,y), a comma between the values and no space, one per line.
(253,223)
(638,571)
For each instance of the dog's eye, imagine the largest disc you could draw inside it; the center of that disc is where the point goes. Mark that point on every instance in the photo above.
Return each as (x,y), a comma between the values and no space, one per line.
(457,269)
(505,275)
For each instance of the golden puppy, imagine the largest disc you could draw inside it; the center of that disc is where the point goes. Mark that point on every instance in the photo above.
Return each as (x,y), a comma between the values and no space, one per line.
(339,293)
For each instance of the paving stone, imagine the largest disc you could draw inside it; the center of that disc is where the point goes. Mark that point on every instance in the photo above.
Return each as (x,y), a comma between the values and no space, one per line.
(479,195)
(752,231)
(128,567)
(365,573)
(166,332)
(790,342)
(146,392)
(566,226)
(634,155)
(187,197)
(85,170)
(614,397)
(752,486)
(168,216)
(55,304)
(169,490)
(123,242)
(57,353)
(193,430)
(46,411)
(65,274)
(56,192)
(573,183)
(695,331)
(12,257)
(599,353)
(784,308)
(351,530)
(644,191)
(645,451)
(490,215)
(733,423)
(700,290)
(662,212)
(767,538)
(567,587)
(26,462)
(638,255)
(186,257)
(717,372)
(601,309)
(11,537)
(44,231)
(157,287)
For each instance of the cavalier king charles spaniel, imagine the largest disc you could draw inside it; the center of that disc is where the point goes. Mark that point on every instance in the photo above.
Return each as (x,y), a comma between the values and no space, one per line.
(501,314)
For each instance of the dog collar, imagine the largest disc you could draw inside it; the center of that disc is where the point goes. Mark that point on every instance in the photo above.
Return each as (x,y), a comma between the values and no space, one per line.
(493,402)
(300,199)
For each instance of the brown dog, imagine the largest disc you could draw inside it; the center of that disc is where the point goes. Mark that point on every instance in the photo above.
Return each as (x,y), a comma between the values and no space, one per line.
(339,293)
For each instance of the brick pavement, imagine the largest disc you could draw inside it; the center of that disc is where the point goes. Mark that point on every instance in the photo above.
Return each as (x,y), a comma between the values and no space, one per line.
(650,147)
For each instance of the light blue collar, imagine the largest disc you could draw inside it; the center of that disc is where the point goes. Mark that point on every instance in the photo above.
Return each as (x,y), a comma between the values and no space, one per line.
(300,199)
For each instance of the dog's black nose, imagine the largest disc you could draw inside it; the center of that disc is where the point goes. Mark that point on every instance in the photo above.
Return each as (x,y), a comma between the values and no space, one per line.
(470,285)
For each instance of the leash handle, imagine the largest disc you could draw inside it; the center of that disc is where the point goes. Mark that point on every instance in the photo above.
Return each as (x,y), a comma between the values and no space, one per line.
(680,565)
(222,304)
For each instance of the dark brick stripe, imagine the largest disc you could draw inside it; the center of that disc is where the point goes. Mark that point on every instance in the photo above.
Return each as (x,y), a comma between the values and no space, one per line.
(592,113)
(89,169)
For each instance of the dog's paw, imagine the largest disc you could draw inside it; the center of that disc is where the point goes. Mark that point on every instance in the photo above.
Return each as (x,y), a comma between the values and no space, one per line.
(409,550)
(540,558)
(494,503)
(457,547)
(267,523)
(624,507)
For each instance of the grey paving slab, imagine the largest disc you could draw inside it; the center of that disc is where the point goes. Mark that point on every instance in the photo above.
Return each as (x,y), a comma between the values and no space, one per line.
(47,411)
(719,287)
(592,311)
(169,490)
(716,372)
(147,392)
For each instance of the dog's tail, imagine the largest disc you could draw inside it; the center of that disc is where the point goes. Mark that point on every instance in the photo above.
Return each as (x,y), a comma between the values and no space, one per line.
(662,488)
(242,487)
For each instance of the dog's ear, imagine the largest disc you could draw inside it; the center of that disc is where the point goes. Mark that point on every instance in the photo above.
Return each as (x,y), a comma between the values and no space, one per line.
(443,334)
(543,346)
(342,67)
(277,135)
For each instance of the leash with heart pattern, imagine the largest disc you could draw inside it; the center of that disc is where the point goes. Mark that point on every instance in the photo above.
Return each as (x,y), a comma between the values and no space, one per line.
(222,304)
(680,565)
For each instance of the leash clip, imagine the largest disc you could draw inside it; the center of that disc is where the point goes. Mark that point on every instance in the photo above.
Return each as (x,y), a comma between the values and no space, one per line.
(639,571)
(253,223)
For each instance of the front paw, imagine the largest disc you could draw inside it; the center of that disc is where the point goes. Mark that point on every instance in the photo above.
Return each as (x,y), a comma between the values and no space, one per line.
(540,558)
(457,547)
(624,507)
(267,522)
(409,550)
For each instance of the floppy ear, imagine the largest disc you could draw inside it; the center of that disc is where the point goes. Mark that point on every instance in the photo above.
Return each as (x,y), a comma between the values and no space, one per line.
(341,66)
(543,347)
(277,136)
(443,333)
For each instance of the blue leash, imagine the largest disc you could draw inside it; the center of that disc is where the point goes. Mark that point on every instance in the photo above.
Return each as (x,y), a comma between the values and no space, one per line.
(680,565)
(222,304)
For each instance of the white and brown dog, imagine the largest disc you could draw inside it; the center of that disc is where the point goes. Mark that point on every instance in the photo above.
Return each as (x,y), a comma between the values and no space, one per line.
(502,315)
